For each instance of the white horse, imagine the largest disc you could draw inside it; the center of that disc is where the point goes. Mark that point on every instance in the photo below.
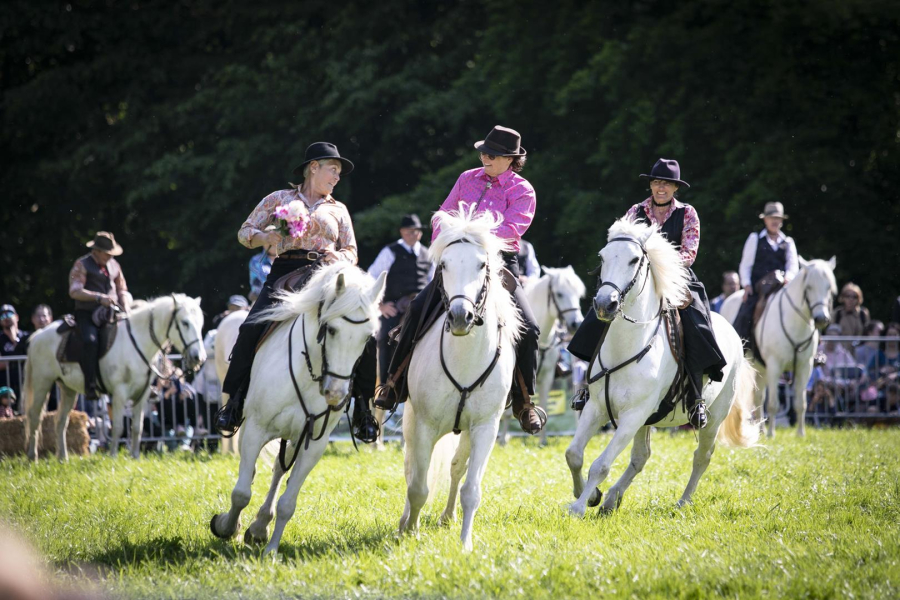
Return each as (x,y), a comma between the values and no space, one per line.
(125,370)
(555,301)
(226,335)
(460,381)
(788,334)
(641,274)
(299,384)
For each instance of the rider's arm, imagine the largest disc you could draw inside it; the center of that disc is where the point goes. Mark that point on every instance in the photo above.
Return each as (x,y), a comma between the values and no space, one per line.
(77,279)
(346,238)
(690,236)
(791,261)
(252,232)
(747,258)
(124,296)
(519,213)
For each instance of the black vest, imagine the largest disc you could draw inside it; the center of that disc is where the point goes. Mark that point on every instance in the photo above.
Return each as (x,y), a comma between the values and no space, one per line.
(767,260)
(672,228)
(97,281)
(409,273)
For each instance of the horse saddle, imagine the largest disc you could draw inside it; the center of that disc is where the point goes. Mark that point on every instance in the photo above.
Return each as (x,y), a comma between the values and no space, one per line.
(292,282)
(764,288)
(71,348)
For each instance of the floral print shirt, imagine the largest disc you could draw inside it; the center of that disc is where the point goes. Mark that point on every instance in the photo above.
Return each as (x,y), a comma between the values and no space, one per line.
(690,233)
(329,226)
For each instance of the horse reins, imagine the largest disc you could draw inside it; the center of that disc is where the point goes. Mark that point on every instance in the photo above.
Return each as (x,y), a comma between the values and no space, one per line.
(560,320)
(624,292)
(185,345)
(307,434)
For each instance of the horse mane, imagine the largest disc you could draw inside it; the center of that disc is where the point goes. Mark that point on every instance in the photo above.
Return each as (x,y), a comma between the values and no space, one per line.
(670,275)
(478,229)
(321,290)
(567,280)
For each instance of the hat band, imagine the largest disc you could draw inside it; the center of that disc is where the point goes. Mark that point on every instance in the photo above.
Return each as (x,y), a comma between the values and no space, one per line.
(102,243)
(499,148)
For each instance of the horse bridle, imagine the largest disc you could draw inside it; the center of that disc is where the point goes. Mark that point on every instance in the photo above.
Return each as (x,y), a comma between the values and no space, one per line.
(322,340)
(624,291)
(185,345)
(479,303)
(560,312)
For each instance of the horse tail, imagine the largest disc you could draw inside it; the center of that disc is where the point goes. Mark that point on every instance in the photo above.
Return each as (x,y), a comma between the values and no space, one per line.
(438,476)
(739,429)
(28,397)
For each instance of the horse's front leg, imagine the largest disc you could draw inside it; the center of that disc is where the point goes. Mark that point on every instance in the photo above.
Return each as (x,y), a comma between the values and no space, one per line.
(628,427)
(258,532)
(227,525)
(118,424)
(288,501)
(420,442)
(592,418)
(457,470)
(137,419)
(544,385)
(801,377)
(773,374)
(66,402)
(640,453)
(482,442)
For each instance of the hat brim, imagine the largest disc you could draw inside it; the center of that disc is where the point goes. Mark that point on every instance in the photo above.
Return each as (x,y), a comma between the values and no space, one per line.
(116,249)
(482,147)
(346,165)
(764,215)
(678,181)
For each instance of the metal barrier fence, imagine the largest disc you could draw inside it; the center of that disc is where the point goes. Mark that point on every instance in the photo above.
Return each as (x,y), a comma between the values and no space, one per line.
(849,392)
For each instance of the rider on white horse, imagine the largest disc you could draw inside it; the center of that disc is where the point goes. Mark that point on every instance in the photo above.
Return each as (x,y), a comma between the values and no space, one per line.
(320,232)
(96,284)
(680,224)
(497,187)
(758,259)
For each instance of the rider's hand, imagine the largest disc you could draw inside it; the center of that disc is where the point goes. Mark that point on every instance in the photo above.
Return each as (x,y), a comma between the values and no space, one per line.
(271,238)
(105,300)
(388,309)
(330,256)
(747,291)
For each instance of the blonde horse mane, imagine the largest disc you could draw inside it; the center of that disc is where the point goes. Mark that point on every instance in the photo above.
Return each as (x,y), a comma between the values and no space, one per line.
(670,276)
(321,289)
(478,229)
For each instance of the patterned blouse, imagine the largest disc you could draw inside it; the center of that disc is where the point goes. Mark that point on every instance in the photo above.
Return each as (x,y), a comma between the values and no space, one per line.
(690,234)
(329,226)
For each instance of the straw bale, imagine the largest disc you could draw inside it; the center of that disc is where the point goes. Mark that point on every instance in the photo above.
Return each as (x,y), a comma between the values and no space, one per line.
(12,435)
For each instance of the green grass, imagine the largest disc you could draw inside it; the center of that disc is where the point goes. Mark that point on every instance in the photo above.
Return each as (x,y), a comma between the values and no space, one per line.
(813,518)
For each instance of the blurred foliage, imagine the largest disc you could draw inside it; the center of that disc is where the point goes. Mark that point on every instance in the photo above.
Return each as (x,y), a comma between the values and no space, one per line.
(166,122)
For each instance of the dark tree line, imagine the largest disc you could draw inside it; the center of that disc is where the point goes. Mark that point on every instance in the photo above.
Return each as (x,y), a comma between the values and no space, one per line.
(166,122)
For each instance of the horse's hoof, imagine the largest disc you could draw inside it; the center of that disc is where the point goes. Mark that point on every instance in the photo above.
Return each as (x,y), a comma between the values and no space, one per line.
(595,501)
(212,528)
(252,540)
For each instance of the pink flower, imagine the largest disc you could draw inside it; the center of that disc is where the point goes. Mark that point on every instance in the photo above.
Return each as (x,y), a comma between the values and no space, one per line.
(296,227)
(281,212)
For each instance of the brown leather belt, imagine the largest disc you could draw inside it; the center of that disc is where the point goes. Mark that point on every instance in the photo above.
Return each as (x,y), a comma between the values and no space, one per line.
(310,255)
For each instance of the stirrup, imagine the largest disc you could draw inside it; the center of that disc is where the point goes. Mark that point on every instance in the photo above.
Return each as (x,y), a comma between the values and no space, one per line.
(383,398)
(541,414)
(365,428)
(580,399)
(696,418)
(224,421)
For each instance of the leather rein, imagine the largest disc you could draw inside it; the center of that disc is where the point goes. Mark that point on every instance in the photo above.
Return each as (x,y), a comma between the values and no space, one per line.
(307,433)
(184,343)
(479,306)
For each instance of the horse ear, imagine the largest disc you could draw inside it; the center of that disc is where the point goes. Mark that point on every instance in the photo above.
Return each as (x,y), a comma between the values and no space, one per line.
(832,262)
(544,270)
(197,300)
(803,262)
(646,235)
(340,285)
(378,288)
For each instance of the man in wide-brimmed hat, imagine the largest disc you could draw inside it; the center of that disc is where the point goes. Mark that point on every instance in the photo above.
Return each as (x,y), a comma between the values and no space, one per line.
(765,253)
(498,188)
(96,281)
(409,269)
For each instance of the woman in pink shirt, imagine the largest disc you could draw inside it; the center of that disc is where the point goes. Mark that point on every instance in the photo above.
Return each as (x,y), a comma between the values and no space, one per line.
(496,187)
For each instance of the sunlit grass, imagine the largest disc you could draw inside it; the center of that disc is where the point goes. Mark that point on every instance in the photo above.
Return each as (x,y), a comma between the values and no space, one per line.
(798,518)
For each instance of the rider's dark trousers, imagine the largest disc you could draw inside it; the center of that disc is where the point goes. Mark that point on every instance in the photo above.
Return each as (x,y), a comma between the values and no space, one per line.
(90,335)
(248,337)
(526,351)
(702,353)
(743,322)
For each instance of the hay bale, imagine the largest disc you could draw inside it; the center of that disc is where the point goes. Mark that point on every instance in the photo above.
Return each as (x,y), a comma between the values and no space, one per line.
(12,435)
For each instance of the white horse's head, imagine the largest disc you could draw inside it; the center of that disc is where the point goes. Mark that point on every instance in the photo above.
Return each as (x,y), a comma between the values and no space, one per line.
(819,288)
(565,294)
(634,253)
(343,302)
(469,258)
(185,330)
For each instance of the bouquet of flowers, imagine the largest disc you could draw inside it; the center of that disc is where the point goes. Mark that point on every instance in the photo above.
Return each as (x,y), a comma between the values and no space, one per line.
(293,219)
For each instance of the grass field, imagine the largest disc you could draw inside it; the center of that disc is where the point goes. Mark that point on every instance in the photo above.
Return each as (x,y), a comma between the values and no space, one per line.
(813,518)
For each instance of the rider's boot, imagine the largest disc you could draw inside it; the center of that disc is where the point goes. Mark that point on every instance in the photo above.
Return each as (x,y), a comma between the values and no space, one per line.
(229,418)
(531,418)
(365,425)
(696,408)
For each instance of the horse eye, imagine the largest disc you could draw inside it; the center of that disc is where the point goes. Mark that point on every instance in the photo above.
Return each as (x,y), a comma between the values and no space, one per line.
(482,266)
(331,330)
(185,323)
(633,260)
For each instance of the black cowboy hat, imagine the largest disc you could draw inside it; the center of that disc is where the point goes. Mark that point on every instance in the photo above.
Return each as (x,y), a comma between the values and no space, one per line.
(667,170)
(105,241)
(411,221)
(324,151)
(501,141)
